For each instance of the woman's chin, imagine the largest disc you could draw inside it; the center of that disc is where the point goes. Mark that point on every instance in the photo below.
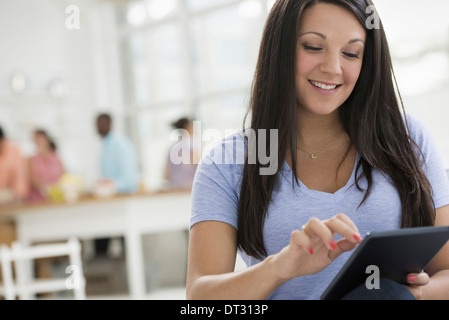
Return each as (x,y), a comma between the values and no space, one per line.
(320,110)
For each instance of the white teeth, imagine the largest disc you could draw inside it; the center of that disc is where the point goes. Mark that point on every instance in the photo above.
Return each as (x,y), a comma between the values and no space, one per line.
(323,86)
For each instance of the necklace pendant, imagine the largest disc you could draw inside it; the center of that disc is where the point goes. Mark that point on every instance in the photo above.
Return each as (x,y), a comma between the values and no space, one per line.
(313,156)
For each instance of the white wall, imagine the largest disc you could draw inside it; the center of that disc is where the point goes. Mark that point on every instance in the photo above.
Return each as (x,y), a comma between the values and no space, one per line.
(433,110)
(35,40)
(418,34)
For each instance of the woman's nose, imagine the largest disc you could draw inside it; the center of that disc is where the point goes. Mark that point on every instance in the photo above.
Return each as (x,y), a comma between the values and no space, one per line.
(331,64)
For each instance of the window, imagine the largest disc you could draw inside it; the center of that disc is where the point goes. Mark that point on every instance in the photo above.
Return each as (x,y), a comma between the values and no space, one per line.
(181,61)
(197,58)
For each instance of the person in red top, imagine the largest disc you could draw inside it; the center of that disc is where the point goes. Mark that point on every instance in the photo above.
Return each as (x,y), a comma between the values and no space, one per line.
(13,177)
(45,167)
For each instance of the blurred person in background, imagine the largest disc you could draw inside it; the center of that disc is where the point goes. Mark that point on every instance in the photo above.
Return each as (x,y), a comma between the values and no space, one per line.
(13,177)
(45,168)
(118,167)
(179,176)
(118,160)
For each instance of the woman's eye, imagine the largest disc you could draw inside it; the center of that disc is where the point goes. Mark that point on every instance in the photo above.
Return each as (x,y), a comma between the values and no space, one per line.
(313,49)
(351,55)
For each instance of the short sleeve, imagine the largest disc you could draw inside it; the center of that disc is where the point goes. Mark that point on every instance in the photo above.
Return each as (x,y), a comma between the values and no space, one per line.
(216,186)
(433,163)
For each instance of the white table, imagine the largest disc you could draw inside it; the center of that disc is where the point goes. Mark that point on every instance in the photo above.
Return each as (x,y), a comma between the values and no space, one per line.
(130,217)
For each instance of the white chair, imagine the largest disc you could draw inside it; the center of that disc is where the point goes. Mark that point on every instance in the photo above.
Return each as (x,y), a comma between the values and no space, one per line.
(25,287)
(7,290)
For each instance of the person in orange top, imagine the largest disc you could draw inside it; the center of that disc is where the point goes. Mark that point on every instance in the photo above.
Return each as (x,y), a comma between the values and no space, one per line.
(14,184)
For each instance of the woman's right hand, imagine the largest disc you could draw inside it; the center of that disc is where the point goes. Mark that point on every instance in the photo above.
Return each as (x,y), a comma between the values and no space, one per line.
(313,248)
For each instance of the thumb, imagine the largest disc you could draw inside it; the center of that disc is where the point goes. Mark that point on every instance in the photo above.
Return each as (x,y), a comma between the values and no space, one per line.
(418,279)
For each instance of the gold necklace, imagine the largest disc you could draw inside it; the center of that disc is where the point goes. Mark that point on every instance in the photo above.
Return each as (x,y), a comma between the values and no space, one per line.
(312,155)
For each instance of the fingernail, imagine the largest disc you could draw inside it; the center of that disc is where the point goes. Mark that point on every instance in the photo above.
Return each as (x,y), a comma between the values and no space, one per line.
(333,245)
(311,251)
(357,237)
(411,278)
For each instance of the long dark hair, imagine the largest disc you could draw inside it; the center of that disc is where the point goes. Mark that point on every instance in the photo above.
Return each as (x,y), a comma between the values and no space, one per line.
(371,116)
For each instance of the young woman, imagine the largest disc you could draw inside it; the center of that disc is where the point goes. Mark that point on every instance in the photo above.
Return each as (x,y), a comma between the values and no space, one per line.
(45,167)
(350,162)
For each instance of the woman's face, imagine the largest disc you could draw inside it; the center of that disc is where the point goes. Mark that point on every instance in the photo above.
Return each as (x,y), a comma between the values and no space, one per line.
(41,141)
(329,57)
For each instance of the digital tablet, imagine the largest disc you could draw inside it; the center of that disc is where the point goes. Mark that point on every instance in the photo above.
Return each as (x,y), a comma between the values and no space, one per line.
(396,253)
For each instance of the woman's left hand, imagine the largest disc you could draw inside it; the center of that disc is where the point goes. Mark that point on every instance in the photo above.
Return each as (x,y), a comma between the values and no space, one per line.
(416,283)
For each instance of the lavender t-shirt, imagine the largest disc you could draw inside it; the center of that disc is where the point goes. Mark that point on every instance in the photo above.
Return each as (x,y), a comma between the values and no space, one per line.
(216,191)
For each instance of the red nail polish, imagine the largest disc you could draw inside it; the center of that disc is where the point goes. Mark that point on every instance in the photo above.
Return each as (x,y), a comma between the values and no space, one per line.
(411,278)
(311,251)
(333,245)
(357,237)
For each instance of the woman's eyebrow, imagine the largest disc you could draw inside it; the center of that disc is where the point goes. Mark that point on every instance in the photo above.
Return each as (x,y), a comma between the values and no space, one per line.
(324,37)
(356,40)
(315,33)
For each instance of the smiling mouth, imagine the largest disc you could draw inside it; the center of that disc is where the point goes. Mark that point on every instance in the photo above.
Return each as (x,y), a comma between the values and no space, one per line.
(324,86)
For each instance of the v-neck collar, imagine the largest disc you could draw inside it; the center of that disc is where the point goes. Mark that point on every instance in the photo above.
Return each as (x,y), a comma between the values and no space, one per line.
(338,196)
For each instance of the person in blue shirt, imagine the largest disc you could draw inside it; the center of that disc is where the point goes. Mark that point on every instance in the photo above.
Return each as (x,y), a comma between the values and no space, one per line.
(118,161)
(118,165)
